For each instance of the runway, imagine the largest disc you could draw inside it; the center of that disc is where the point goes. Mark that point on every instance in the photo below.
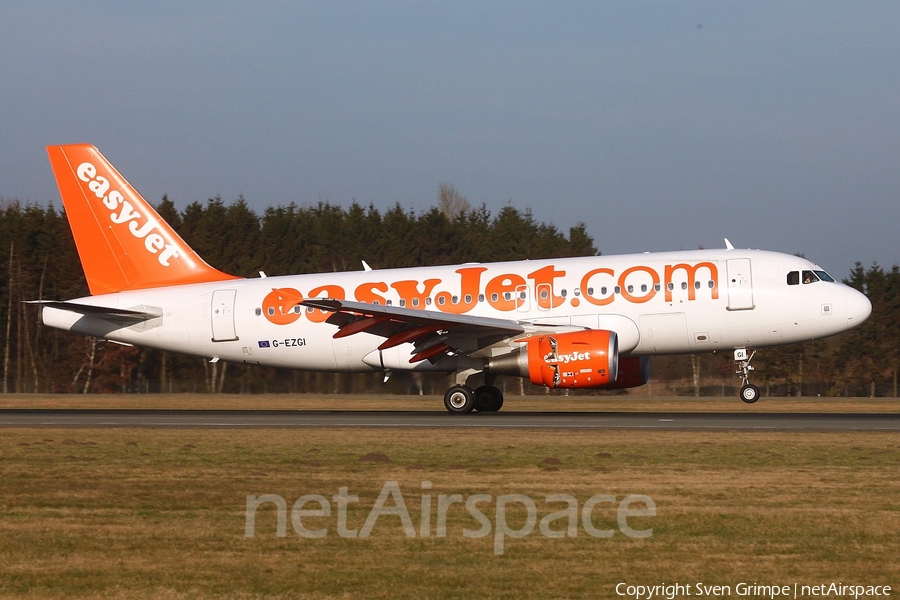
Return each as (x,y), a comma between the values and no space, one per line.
(262,419)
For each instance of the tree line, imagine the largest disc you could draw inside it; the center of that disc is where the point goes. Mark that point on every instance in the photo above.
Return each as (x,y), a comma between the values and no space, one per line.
(40,262)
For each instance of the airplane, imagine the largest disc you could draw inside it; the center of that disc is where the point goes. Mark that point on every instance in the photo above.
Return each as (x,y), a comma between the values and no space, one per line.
(590,322)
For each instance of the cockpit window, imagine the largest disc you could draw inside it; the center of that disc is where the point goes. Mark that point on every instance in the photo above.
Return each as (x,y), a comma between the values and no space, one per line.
(794,277)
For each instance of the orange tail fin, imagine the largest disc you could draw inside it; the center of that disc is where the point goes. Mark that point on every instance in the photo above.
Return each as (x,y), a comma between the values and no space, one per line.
(122,241)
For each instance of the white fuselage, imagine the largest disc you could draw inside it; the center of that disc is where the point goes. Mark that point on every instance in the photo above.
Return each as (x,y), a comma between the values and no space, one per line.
(657,303)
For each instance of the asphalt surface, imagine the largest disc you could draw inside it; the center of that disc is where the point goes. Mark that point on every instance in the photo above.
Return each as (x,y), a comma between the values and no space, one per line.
(261,419)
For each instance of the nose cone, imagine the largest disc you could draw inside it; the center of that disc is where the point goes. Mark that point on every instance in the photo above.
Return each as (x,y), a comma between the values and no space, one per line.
(858,307)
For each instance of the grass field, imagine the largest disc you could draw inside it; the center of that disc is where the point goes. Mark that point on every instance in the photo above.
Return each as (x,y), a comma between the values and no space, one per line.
(139,513)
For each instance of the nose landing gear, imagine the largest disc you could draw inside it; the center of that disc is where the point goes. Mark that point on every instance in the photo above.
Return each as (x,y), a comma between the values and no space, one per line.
(749,392)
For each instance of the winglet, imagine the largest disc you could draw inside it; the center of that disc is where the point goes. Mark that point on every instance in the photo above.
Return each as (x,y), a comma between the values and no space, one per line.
(122,242)
(728,245)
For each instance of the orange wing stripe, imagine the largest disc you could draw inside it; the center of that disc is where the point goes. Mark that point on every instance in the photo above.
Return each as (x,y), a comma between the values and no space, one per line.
(409,335)
(429,353)
(363,324)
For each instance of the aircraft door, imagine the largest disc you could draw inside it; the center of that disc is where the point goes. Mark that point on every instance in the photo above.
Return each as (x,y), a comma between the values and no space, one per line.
(740,284)
(222,313)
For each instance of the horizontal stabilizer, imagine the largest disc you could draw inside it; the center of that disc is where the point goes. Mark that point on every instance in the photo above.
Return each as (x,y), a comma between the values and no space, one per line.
(136,314)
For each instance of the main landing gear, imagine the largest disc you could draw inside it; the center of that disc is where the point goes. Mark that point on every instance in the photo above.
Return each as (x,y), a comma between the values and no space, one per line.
(749,392)
(461,399)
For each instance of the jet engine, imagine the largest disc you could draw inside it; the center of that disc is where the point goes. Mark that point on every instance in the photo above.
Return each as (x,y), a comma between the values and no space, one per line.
(634,371)
(576,359)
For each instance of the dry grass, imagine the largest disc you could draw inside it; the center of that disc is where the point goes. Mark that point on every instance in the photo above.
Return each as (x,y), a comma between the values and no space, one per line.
(161,513)
(386,402)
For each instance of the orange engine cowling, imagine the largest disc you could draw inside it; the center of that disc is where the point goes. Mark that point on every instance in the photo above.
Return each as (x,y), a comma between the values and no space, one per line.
(577,359)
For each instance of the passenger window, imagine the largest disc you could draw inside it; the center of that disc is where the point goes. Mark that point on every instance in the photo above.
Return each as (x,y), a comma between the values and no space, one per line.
(696,285)
(793,278)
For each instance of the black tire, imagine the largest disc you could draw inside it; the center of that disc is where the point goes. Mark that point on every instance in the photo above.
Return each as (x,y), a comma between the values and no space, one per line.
(749,393)
(488,399)
(459,400)
(498,401)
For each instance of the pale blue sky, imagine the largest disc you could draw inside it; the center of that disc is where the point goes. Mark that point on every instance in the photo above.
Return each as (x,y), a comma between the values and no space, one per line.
(661,125)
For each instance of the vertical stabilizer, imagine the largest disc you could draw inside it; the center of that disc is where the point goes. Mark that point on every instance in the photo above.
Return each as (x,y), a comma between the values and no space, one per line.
(122,241)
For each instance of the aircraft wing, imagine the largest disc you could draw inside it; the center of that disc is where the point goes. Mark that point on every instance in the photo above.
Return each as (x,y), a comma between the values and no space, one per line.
(433,333)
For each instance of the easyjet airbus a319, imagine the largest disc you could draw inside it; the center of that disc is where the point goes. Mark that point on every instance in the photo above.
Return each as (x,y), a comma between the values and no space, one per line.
(589,322)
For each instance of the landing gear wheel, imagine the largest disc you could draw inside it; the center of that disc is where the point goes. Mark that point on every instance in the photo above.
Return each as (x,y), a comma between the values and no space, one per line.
(749,393)
(459,400)
(488,399)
